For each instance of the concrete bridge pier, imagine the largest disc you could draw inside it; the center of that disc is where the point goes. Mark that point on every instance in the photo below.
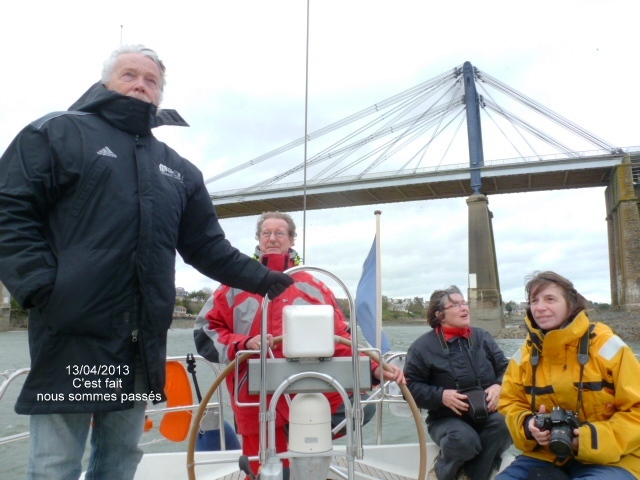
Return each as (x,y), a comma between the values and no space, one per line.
(5,308)
(623,222)
(484,295)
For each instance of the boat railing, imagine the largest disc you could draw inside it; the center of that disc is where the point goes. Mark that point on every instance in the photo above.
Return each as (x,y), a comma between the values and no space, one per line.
(392,358)
(12,375)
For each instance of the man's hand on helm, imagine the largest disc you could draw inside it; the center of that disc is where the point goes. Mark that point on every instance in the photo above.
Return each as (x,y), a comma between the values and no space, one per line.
(273,284)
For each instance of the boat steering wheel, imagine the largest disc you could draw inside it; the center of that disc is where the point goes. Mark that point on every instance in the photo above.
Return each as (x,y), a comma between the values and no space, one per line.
(195,426)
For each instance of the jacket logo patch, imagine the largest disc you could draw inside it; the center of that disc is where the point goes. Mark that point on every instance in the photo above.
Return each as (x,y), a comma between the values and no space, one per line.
(169,172)
(106,152)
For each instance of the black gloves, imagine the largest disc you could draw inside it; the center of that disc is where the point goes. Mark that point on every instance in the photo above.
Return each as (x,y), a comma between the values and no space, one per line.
(273,284)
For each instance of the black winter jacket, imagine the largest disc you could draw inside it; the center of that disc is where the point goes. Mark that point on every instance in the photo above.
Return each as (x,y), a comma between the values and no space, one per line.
(93,207)
(429,371)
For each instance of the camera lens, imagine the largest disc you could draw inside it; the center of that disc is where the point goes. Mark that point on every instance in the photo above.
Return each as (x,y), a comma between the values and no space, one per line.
(560,442)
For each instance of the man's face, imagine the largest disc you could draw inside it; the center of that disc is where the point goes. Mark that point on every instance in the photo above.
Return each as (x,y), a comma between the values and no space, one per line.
(137,76)
(274,236)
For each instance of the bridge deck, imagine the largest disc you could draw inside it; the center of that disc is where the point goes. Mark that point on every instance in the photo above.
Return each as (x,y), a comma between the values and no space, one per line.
(429,184)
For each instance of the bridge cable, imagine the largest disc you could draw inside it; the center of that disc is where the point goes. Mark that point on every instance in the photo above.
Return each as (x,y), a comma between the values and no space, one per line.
(484,89)
(329,128)
(332,151)
(554,116)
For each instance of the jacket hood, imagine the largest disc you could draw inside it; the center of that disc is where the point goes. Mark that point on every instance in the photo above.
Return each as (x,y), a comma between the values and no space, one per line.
(124,113)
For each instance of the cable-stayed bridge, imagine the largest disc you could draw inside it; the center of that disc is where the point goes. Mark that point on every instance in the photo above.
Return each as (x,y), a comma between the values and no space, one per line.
(550,172)
(412,146)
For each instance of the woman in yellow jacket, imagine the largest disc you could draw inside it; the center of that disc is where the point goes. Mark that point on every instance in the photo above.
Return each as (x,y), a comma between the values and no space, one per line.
(571,394)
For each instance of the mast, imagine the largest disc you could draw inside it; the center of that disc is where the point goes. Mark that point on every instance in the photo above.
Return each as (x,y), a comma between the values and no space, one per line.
(306,116)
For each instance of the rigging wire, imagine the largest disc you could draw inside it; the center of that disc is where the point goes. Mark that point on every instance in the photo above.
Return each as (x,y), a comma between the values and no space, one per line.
(306,141)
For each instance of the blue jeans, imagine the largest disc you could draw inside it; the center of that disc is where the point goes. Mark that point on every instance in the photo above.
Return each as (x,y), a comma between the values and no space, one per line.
(521,467)
(58,442)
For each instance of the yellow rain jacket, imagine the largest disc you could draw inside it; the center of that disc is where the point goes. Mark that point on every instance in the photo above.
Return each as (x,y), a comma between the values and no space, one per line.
(610,411)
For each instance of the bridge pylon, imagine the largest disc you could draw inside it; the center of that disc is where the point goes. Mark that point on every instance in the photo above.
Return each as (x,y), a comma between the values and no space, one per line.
(484,295)
(623,222)
(485,300)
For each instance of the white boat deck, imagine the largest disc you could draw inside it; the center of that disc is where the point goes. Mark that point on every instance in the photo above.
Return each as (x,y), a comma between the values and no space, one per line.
(369,471)
(362,469)
(380,462)
(234,476)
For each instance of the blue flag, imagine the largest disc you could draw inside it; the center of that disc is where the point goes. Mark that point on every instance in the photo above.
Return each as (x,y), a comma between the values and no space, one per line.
(367,302)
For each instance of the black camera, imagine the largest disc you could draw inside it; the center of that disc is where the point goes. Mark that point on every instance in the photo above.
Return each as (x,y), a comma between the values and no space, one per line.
(561,423)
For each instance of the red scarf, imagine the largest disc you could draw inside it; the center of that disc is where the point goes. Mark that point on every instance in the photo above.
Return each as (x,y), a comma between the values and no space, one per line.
(452,332)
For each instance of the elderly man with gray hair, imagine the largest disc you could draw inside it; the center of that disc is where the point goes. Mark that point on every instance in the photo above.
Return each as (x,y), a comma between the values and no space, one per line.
(92,211)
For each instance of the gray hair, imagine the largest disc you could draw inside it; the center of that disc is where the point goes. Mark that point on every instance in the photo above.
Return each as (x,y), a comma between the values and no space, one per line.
(110,63)
(436,304)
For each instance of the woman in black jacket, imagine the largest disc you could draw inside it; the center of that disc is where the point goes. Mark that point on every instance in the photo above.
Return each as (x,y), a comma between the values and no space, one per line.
(455,371)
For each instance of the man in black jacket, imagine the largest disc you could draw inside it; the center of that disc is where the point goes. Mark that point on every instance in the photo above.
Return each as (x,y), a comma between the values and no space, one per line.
(92,211)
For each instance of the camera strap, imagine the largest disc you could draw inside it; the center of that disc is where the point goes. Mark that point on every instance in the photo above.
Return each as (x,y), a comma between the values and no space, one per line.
(536,346)
(445,347)
(583,359)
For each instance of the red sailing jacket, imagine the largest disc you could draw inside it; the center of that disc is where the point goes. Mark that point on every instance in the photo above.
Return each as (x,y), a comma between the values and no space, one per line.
(236,317)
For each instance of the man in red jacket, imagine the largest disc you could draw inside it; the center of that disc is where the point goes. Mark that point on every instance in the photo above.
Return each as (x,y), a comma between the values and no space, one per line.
(231,321)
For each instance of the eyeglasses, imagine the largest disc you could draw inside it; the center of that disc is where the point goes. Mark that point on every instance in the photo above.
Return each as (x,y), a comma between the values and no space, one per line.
(457,305)
(279,234)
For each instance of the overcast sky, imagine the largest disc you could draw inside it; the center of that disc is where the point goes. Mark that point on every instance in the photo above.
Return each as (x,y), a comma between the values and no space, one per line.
(236,73)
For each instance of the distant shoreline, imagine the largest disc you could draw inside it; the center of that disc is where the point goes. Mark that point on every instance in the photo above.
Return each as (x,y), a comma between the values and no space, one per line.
(182,323)
(625,324)
(189,322)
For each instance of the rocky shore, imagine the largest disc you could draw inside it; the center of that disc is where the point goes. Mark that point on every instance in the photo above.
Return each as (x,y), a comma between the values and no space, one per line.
(625,324)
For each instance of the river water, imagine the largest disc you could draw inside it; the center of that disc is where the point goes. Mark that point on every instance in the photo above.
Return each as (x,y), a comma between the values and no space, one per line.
(14,354)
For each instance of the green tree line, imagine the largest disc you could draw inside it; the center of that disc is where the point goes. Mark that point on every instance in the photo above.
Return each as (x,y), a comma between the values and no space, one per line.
(416,309)
(194,301)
